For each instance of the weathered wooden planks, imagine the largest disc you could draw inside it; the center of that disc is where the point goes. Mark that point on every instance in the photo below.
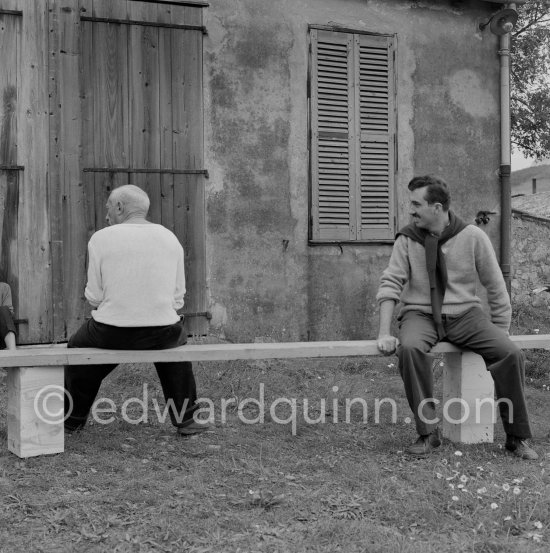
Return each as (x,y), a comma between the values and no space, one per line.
(34,256)
(147,113)
(189,190)
(108,51)
(10,46)
(166,123)
(145,108)
(86,94)
(68,222)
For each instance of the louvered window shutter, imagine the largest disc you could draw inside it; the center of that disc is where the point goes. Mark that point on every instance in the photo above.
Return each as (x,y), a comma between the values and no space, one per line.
(376,148)
(351,137)
(332,148)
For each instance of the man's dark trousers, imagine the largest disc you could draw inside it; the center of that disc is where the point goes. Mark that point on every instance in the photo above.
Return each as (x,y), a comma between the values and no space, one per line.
(82,382)
(472,330)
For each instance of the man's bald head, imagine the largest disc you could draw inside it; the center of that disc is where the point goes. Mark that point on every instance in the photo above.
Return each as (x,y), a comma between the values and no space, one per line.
(127,201)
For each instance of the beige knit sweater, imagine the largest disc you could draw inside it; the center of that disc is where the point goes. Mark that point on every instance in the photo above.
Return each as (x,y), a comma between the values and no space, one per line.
(470,260)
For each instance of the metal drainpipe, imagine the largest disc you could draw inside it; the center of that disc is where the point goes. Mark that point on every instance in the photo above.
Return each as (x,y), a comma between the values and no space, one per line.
(505,158)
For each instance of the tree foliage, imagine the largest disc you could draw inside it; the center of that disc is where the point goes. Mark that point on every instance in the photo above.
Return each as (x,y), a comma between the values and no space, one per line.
(530,80)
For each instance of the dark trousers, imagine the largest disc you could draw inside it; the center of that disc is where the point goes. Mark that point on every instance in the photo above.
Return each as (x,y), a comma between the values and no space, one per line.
(472,330)
(176,378)
(6,324)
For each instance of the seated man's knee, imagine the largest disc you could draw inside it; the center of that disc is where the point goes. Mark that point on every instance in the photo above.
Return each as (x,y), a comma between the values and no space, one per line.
(510,350)
(408,346)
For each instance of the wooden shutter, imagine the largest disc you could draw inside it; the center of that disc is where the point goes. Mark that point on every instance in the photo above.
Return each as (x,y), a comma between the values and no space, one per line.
(376,114)
(351,137)
(332,153)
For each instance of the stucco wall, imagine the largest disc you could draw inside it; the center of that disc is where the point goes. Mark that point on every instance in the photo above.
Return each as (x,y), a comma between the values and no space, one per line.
(530,263)
(265,281)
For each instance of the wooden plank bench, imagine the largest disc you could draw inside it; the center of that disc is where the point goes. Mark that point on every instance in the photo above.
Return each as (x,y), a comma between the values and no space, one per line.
(38,370)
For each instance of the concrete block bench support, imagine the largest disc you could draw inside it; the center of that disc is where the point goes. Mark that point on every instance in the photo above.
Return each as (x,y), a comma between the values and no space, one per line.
(35,382)
(35,408)
(469,409)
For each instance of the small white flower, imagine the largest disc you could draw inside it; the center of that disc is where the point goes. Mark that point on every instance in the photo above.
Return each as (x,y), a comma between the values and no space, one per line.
(506,487)
(454,498)
(537,537)
(482,490)
(537,524)
(460,486)
(464,479)
(439,475)
(494,506)
(458,453)
(452,486)
(517,491)
(507,518)
(518,480)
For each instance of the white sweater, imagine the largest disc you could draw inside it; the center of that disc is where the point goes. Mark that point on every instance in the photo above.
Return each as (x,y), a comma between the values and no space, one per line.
(135,275)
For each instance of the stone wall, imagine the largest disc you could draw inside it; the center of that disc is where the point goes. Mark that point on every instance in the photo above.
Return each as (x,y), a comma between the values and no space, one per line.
(530,251)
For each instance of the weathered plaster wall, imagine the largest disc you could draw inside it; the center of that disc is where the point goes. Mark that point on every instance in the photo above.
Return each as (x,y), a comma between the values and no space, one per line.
(265,281)
(530,263)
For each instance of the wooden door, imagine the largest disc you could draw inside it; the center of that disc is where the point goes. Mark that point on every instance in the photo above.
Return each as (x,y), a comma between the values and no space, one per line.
(24,224)
(138,80)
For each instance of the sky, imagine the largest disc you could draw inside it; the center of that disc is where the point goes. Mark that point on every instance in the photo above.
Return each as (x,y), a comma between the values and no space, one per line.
(519,162)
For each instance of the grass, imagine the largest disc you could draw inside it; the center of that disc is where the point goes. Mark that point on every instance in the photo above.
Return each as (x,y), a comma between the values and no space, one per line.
(333,487)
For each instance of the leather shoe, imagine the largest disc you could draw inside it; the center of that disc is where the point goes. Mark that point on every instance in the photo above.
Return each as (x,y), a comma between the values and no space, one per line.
(519,447)
(194,427)
(425,444)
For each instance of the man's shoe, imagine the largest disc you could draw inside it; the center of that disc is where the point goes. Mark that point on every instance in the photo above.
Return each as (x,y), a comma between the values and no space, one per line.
(194,427)
(519,447)
(425,444)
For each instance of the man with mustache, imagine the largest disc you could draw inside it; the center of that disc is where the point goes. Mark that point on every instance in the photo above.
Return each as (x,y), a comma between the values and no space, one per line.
(433,272)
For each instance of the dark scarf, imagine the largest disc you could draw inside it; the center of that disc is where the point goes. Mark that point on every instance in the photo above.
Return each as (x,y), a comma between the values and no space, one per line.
(435,261)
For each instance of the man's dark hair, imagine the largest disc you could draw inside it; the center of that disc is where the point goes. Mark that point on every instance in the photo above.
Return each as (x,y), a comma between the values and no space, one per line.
(436,190)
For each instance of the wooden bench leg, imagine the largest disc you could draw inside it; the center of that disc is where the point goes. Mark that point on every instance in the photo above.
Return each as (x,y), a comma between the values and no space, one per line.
(468,399)
(35,410)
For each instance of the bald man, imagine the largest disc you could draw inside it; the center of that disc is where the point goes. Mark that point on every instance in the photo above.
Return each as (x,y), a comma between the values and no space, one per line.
(136,285)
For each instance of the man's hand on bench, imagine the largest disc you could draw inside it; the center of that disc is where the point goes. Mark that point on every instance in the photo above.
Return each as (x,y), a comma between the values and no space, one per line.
(387,344)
